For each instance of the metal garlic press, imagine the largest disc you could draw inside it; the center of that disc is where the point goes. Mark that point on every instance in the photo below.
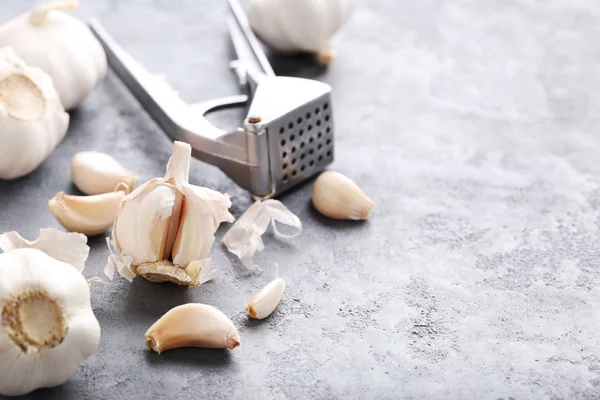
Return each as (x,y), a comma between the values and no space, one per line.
(286,137)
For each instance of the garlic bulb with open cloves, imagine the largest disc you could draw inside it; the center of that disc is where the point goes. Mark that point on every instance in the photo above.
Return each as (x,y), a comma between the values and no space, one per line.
(165,228)
(47,326)
(32,120)
(60,45)
(299,25)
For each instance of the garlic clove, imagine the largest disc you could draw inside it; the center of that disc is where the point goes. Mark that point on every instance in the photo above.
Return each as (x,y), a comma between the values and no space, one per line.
(265,302)
(337,196)
(192,325)
(90,215)
(97,173)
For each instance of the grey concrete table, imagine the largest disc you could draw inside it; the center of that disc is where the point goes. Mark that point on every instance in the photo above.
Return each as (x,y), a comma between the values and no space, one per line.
(473,125)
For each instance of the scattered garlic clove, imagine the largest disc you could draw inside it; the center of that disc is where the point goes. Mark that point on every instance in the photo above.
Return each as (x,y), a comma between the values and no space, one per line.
(169,223)
(337,196)
(192,325)
(32,119)
(47,326)
(62,46)
(97,173)
(265,302)
(90,215)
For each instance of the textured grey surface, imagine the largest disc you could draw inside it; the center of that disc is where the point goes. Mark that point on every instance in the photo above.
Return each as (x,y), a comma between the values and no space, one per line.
(472,124)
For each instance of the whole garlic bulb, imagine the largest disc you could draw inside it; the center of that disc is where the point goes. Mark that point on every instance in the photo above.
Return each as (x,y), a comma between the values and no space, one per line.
(299,25)
(61,45)
(165,228)
(32,119)
(47,326)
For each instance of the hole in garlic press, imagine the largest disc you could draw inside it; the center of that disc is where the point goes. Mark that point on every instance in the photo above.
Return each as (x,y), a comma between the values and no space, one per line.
(293,149)
(328,130)
(293,161)
(329,153)
(307,115)
(292,138)
(310,140)
(291,125)
(319,135)
(302,145)
(281,130)
(311,163)
(319,146)
(327,118)
(325,106)
(284,154)
(311,151)
(283,142)
(285,178)
(294,173)
(328,141)
(302,156)
(284,166)
(302,168)
(320,158)
(318,122)
(310,127)
(301,132)
(299,121)
(317,110)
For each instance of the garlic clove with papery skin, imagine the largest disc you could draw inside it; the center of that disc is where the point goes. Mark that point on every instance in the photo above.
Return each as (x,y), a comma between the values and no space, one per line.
(165,228)
(300,25)
(337,196)
(265,302)
(48,38)
(47,326)
(97,173)
(192,325)
(90,215)
(32,119)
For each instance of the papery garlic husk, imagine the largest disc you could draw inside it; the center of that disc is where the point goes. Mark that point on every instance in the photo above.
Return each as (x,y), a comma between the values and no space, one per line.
(165,228)
(90,215)
(244,238)
(265,302)
(337,196)
(300,25)
(32,119)
(62,46)
(97,173)
(192,325)
(47,326)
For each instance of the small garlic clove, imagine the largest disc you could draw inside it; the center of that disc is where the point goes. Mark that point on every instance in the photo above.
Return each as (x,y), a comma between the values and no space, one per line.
(192,325)
(90,215)
(265,302)
(337,196)
(97,173)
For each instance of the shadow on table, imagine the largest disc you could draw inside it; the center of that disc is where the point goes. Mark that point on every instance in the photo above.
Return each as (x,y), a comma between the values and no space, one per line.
(191,356)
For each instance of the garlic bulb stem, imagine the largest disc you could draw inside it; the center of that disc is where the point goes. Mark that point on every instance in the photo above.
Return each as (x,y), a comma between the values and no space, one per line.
(40,13)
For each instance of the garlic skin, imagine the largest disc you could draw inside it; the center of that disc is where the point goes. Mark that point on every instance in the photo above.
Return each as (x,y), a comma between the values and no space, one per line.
(90,215)
(47,328)
(192,325)
(300,25)
(32,119)
(337,196)
(97,173)
(266,301)
(165,228)
(60,45)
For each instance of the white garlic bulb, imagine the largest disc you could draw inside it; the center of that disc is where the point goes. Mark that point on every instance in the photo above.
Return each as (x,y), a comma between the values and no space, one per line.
(60,45)
(97,173)
(165,228)
(32,119)
(337,196)
(300,25)
(47,326)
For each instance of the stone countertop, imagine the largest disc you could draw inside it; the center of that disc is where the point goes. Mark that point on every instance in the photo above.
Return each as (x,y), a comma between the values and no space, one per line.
(472,124)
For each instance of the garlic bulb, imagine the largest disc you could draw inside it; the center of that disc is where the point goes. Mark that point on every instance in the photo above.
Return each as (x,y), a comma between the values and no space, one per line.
(47,326)
(244,238)
(90,215)
(192,325)
(32,120)
(97,173)
(165,228)
(338,197)
(61,45)
(299,25)
(265,302)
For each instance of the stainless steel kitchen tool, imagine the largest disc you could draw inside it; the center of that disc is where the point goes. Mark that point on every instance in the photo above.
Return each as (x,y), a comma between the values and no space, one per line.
(286,138)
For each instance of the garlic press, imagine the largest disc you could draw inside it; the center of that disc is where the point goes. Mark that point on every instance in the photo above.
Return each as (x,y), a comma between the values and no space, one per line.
(286,137)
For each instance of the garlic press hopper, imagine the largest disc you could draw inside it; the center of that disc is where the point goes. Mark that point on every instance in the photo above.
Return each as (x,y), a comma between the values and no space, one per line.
(286,137)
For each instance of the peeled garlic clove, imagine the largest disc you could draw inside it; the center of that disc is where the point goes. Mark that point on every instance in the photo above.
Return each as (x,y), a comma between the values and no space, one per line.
(90,215)
(192,325)
(337,196)
(32,120)
(265,302)
(47,326)
(97,173)
(165,228)
(60,45)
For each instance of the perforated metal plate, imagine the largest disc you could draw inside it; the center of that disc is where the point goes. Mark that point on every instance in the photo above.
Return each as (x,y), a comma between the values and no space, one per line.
(302,143)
